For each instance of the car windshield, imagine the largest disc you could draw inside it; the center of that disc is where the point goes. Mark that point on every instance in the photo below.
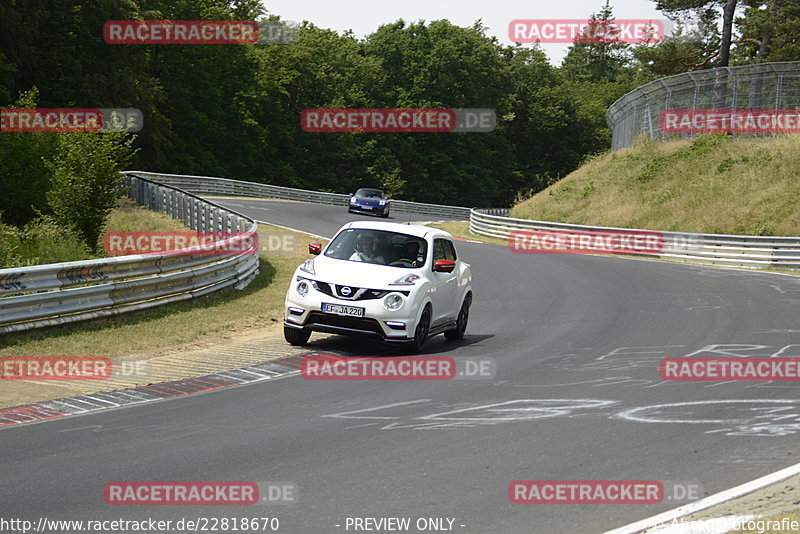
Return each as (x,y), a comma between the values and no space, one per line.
(369,193)
(378,247)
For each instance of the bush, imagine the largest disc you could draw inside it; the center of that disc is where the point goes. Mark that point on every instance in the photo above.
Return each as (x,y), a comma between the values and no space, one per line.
(38,242)
(85,179)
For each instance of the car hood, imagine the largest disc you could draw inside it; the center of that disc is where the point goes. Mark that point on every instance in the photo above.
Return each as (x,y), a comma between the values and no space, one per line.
(368,201)
(358,274)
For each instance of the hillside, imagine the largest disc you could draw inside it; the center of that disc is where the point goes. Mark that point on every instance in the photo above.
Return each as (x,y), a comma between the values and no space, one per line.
(712,184)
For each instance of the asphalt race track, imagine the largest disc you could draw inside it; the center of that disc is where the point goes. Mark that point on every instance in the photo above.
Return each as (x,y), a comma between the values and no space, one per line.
(576,341)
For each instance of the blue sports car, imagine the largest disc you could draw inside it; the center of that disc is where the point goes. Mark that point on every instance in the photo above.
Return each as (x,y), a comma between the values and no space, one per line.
(370,201)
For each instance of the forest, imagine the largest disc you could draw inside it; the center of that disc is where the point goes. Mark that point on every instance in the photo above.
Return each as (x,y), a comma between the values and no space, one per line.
(233,110)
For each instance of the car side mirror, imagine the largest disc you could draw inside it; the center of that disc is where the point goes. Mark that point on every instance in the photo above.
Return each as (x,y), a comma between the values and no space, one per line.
(314,248)
(444,266)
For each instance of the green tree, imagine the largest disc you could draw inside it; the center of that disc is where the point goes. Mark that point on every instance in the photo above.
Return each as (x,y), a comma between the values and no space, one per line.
(23,174)
(85,179)
(706,10)
(769,31)
(596,59)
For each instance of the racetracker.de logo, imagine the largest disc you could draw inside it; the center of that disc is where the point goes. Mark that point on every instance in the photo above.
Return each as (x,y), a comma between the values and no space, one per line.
(393,368)
(180,32)
(55,368)
(398,120)
(730,121)
(70,120)
(72,368)
(747,369)
(635,31)
(585,242)
(180,243)
(586,491)
(176,493)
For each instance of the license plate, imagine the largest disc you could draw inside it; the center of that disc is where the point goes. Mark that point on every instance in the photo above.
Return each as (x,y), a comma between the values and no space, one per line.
(338,309)
(366,207)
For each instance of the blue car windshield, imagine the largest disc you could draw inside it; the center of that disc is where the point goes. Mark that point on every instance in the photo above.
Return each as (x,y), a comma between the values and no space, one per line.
(369,193)
(378,247)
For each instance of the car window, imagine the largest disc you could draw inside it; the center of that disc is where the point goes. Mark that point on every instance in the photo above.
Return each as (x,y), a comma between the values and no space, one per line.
(449,250)
(378,247)
(443,249)
(369,193)
(438,250)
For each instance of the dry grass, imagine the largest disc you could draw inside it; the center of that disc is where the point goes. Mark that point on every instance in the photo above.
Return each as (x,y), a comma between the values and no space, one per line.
(712,184)
(129,216)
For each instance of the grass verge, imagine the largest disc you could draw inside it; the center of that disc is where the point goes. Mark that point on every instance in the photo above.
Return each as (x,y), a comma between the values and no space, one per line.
(187,324)
(711,184)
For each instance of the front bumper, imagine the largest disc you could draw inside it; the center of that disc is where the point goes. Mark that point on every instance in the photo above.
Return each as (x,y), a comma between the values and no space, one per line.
(306,312)
(376,210)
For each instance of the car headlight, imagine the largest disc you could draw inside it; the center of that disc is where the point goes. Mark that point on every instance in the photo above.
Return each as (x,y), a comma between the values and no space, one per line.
(353,200)
(302,288)
(407,280)
(382,202)
(393,301)
(308,266)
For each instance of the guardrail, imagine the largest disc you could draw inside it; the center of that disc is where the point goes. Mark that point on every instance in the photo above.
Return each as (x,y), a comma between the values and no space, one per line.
(62,293)
(211,185)
(710,249)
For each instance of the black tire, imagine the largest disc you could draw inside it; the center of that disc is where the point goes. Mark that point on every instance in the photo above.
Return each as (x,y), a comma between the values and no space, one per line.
(296,336)
(420,333)
(385,215)
(461,323)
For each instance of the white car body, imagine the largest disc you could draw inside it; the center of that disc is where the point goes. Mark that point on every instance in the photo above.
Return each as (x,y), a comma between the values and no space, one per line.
(322,286)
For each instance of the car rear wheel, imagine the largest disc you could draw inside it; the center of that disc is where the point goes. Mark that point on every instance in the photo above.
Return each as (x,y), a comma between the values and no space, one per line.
(420,333)
(461,323)
(296,336)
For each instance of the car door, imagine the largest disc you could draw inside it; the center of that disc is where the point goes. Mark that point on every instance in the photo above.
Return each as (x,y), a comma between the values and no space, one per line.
(445,284)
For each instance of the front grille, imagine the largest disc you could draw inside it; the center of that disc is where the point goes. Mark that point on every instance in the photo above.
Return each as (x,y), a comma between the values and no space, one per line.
(324,287)
(344,322)
(335,290)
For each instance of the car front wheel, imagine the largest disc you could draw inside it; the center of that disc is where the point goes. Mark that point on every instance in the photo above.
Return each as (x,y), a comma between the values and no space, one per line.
(296,336)
(420,333)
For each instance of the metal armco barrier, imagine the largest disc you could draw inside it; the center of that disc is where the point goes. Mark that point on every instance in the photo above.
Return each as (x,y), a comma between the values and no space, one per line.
(62,293)
(209,185)
(711,249)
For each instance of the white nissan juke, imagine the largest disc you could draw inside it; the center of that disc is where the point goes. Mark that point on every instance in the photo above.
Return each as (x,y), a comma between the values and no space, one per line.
(396,282)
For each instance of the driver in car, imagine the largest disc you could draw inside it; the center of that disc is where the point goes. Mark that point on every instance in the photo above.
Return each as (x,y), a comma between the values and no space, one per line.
(365,250)
(411,252)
